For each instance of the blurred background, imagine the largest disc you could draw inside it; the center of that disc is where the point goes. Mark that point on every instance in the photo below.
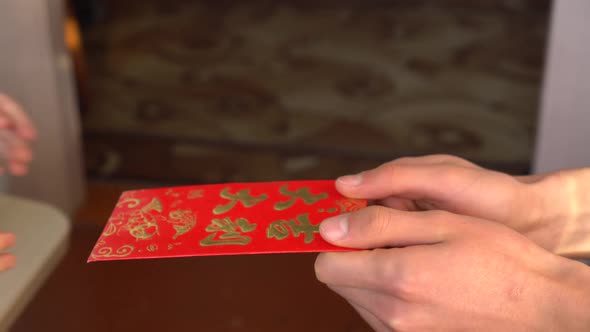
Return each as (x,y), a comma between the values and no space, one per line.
(212,91)
(174,92)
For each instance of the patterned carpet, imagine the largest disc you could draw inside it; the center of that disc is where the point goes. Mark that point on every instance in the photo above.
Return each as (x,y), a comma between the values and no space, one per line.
(208,91)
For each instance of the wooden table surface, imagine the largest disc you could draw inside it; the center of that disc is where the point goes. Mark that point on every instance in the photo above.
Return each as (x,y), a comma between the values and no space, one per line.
(231,293)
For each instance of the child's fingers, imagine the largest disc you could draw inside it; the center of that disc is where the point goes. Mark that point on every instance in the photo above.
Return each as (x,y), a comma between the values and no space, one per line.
(13,113)
(15,154)
(18,168)
(8,140)
(7,240)
(14,148)
(7,261)
(21,154)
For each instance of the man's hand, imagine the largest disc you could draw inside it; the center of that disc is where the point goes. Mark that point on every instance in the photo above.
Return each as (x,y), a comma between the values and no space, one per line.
(7,261)
(16,132)
(444,272)
(553,210)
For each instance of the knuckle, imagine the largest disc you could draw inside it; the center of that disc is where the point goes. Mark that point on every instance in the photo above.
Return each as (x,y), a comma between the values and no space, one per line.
(444,158)
(459,181)
(447,158)
(385,270)
(402,321)
(393,318)
(448,174)
(454,161)
(393,276)
(437,158)
(404,286)
(379,218)
(402,160)
(442,222)
(390,168)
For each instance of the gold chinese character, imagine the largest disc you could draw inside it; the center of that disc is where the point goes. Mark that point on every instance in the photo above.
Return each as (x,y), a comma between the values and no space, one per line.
(196,193)
(303,193)
(280,228)
(230,229)
(172,193)
(241,196)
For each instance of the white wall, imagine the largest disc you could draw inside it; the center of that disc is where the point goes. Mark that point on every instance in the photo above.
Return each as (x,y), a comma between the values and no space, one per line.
(35,70)
(564,132)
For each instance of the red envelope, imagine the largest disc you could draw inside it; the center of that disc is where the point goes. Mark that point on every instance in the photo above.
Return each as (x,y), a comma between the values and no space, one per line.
(221,219)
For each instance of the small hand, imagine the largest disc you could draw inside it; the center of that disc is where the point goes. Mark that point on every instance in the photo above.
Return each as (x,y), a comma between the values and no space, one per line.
(7,261)
(444,272)
(16,133)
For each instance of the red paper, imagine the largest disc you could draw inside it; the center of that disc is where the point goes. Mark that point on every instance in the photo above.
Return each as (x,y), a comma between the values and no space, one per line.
(221,219)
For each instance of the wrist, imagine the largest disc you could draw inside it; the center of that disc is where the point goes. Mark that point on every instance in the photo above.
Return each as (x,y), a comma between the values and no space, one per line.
(563,213)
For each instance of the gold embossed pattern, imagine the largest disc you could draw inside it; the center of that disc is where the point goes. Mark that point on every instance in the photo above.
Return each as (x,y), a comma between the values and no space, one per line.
(169,221)
(242,196)
(231,232)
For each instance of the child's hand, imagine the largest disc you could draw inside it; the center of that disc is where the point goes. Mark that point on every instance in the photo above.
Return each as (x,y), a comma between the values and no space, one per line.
(16,132)
(7,261)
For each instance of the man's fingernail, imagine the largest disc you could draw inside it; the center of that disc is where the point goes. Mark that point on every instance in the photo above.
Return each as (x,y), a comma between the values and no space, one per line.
(350,180)
(334,228)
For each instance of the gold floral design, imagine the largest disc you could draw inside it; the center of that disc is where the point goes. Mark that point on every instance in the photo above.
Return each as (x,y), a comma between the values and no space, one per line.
(143,224)
(106,252)
(101,242)
(110,229)
(182,221)
(131,202)
(155,204)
